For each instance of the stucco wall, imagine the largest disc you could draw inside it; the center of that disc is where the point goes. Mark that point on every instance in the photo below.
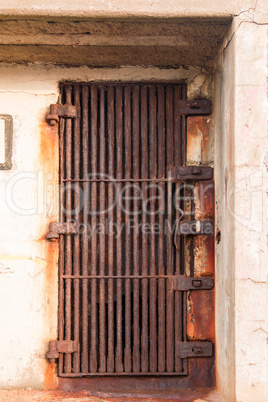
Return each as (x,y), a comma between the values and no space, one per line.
(127,8)
(241,209)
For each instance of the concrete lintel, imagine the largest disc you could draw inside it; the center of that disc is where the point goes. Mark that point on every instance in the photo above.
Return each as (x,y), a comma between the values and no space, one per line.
(123,8)
(111,43)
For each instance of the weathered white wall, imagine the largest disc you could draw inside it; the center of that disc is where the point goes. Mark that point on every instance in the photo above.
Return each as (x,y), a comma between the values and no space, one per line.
(241,185)
(27,309)
(250,210)
(126,8)
(224,263)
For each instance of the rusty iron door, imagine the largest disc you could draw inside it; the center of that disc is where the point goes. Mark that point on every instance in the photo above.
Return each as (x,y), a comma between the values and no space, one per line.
(125,236)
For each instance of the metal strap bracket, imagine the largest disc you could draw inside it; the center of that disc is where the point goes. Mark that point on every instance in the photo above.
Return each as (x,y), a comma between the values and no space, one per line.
(60,228)
(184,283)
(199,107)
(190,173)
(194,349)
(194,228)
(57,347)
(57,111)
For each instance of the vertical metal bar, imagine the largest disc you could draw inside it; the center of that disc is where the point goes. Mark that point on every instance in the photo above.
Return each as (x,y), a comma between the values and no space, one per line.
(136,262)
(119,161)
(183,242)
(76,249)
(152,192)
(61,239)
(93,267)
(85,259)
(127,137)
(161,262)
(177,162)
(110,112)
(183,133)
(192,240)
(102,326)
(68,241)
(169,236)
(144,175)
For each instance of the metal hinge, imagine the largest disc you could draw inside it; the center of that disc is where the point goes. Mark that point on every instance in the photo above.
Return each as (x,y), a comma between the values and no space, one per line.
(190,173)
(184,283)
(194,349)
(56,111)
(57,347)
(196,107)
(60,228)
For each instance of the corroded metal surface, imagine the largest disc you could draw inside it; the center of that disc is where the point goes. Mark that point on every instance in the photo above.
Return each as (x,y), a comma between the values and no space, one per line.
(116,296)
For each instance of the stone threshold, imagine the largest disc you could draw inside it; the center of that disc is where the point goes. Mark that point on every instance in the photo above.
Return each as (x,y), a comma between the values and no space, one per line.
(200,395)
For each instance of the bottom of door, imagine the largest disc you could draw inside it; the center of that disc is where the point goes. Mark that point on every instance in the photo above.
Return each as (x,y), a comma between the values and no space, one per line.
(200,375)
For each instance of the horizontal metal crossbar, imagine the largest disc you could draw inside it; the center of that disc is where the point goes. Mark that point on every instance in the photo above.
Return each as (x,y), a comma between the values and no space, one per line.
(118,180)
(175,174)
(178,282)
(117,277)
(176,277)
(198,107)
(195,349)
(107,374)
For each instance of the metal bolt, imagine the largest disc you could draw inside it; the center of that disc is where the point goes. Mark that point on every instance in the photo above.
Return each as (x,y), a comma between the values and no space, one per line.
(195,105)
(196,171)
(197,350)
(197,283)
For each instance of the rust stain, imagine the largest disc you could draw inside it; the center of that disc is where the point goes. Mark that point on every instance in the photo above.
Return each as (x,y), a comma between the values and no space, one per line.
(204,245)
(200,317)
(50,380)
(48,162)
(48,146)
(200,305)
(196,126)
(51,257)
(205,126)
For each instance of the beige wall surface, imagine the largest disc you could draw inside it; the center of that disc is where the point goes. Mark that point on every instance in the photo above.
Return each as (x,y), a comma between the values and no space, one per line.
(249,195)
(127,8)
(241,209)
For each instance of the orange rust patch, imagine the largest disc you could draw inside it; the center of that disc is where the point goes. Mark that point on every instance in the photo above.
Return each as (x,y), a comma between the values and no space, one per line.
(48,162)
(51,256)
(197,125)
(200,315)
(50,381)
(51,249)
(48,146)
(200,304)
